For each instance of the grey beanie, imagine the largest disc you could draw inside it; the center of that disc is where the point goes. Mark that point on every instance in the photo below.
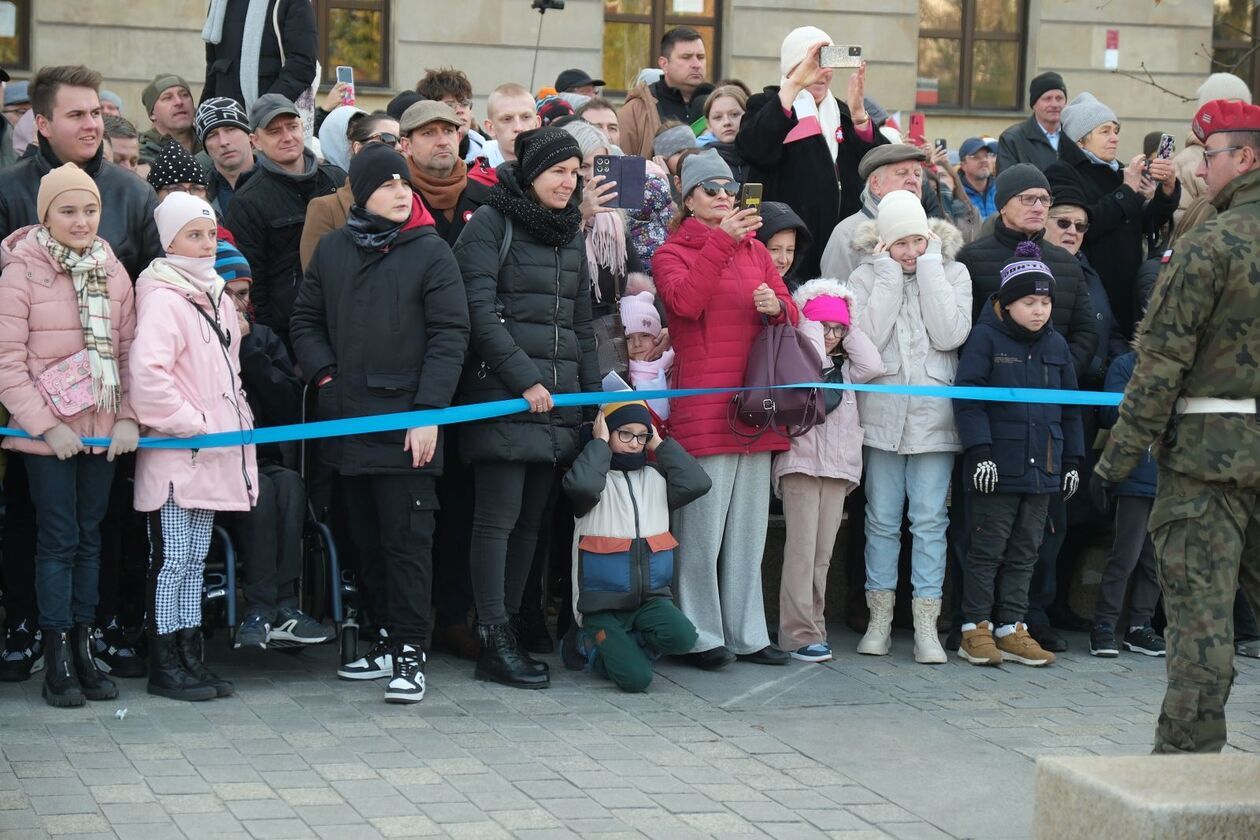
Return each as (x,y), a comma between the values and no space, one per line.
(696,168)
(1085,113)
(588,137)
(1013,180)
(674,140)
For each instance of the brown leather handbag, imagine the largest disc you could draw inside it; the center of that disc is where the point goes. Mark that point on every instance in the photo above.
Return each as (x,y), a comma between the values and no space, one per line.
(779,356)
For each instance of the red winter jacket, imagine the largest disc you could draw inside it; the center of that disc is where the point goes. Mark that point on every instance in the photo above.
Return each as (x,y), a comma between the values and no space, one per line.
(706,281)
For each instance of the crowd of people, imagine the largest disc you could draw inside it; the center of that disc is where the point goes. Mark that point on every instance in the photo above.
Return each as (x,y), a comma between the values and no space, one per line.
(212,273)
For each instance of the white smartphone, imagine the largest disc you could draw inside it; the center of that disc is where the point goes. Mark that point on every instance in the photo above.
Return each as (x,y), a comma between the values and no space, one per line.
(845,56)
(346,75)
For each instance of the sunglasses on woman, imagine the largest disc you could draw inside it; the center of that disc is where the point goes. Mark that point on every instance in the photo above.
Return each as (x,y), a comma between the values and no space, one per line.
(713,187)
(384,137)
(630,437)
(1064,224)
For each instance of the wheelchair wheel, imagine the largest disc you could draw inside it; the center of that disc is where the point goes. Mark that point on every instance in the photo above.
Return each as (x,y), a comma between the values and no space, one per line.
(315,587)
(349,643)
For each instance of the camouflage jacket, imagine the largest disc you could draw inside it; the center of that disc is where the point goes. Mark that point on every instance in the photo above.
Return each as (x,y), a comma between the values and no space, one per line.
(1200,338)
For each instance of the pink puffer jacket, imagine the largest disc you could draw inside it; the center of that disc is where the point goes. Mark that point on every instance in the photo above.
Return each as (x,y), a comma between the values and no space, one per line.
(40,325)
(185,383)
(832,449)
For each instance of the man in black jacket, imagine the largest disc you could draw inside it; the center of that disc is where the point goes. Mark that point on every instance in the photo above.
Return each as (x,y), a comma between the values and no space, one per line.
(267,214)
(430,140)
(222,127)
(284,65)
(1036,139)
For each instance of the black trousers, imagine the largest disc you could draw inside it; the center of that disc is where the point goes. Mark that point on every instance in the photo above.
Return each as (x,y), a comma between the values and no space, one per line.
(1132,556)
(124,551)
(1006,530)
(452,578)
(269,540)
(19,548)
(390,518)
(511,499)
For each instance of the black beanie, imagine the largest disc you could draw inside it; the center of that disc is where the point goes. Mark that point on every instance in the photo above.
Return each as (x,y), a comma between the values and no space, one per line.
(375,164)
(1043,84)
(540,149)
(1025,274)
(174,165)
(621,414)
(400,103)
(1013,180)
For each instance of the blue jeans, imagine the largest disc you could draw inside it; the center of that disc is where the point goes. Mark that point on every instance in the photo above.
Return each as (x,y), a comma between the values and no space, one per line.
(890,479)
(70,499)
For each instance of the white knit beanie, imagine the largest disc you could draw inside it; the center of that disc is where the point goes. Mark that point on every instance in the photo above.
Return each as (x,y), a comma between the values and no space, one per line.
(901,214)
(797,44)
(1223,86)
(1085,113)
(177,210)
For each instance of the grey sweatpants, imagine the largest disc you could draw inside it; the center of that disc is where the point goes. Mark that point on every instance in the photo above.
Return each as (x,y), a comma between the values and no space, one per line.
(721,537)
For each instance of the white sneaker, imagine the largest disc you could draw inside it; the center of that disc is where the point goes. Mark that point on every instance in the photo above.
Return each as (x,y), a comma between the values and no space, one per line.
(407,685)
(377,665)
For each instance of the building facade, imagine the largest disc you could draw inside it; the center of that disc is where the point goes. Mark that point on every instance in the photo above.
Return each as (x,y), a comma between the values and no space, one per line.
(964,63)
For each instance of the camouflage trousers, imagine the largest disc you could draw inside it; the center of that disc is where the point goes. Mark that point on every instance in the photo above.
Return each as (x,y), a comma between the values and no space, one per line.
(1207,541)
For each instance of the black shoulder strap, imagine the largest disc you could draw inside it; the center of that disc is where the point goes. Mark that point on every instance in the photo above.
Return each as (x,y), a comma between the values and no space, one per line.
(224,338)
(506,244)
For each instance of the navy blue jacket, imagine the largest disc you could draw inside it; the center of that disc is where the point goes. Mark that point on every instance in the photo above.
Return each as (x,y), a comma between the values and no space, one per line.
(1141,482)
(1111,340)
(1029,442)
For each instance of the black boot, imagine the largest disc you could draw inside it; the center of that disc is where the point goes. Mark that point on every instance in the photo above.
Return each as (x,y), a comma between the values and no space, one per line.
(95,685)
(515,627)
(191,648)
(61,685)
(167,677)
(501,661)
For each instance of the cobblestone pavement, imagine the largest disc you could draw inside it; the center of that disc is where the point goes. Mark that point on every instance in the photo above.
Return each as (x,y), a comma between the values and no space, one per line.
(861,747)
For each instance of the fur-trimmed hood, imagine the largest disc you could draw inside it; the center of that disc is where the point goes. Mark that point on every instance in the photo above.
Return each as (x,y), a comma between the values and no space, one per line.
(825,286)
(866,237)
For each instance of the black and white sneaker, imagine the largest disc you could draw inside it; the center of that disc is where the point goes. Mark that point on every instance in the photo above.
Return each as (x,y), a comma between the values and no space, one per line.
(1102,642)
(293,625)
(1144,640)
(253,632)
(23,653)
(407,685)
(114,651)
(377,665)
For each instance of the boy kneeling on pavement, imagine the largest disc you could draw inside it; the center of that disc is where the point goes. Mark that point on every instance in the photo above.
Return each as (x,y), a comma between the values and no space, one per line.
(623,552)
(1017,455)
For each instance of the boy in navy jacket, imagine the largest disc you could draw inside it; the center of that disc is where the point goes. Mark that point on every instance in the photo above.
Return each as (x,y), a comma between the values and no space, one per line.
(1017,455)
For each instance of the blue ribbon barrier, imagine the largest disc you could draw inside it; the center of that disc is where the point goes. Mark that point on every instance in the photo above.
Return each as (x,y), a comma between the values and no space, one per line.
(485,411)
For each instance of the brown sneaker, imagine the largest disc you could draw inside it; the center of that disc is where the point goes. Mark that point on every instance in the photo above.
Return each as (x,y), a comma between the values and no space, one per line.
(977,646)
(1023,648)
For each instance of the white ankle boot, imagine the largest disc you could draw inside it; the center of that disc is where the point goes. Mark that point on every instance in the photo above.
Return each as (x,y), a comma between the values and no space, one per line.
(927,645)
(879,631)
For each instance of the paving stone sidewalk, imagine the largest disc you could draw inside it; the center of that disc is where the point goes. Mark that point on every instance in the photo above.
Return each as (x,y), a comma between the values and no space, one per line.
(858,748)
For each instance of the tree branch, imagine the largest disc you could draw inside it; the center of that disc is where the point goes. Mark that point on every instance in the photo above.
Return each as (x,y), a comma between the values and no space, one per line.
(1150,80)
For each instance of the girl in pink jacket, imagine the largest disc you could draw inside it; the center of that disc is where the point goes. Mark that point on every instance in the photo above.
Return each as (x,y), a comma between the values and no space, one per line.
(185,376)
(822,467)
(67,317)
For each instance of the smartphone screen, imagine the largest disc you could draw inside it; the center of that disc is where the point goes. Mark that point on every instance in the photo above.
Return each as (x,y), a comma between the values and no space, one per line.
(750,197)
(345,75)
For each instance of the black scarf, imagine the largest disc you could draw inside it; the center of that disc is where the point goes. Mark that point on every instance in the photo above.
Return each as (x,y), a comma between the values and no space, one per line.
(550,227)
(629,461)
(370,231)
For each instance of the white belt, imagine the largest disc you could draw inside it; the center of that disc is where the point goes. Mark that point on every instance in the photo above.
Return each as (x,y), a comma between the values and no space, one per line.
(1214,405)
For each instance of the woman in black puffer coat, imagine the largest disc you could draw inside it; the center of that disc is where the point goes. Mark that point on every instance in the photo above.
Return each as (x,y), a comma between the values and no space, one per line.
(530,312)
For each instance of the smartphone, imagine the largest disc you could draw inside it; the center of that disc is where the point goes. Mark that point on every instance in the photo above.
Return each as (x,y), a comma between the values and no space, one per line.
(750,197)
(848,56)
(941,145)
(346,75)
(918,128)
(629,173)
(1167,147)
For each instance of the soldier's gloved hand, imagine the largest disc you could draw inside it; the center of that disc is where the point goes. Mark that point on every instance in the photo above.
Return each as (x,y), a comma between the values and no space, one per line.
(983,471)
(1102,492)
(1071,482)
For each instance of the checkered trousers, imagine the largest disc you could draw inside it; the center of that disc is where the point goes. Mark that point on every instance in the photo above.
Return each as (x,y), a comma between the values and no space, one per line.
(179,540)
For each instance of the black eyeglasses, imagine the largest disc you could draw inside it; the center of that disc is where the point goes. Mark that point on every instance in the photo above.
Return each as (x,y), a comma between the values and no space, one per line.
(1030,200)
(1064,224)
(713,186)
(384,137)
(630,437)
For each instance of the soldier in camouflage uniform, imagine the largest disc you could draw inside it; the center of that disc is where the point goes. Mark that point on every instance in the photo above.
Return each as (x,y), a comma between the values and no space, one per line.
(1193,395)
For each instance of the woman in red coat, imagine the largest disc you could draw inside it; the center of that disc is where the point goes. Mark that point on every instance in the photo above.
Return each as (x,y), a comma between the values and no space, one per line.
(718,282)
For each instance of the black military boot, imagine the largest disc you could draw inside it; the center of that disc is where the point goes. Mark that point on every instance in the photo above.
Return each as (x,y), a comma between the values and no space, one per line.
(61,684)
(191,647)
(167,677)
(95,685)
(517,629)
(501,660)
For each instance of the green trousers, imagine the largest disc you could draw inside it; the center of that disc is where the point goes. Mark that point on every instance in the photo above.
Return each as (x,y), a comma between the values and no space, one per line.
(1207,541)
(660,624)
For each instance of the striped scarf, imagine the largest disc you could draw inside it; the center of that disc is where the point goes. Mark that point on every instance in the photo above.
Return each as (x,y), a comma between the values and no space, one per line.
(87,270)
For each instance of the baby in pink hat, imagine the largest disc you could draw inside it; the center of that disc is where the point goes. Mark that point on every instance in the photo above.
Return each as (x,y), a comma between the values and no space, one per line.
(642,324)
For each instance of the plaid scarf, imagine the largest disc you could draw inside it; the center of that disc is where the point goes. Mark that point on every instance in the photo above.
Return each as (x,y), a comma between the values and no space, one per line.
(87,270)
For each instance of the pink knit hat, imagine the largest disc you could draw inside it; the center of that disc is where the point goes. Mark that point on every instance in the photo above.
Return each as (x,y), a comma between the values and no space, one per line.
(639,315)
(828,308)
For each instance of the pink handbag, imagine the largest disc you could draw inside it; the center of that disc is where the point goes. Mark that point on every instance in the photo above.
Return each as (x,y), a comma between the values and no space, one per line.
(67,384)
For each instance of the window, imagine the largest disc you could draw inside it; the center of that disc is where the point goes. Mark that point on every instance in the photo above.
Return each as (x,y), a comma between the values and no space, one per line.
(971,54)
(354,33)
(1233,39)
(633,30)
(15,34)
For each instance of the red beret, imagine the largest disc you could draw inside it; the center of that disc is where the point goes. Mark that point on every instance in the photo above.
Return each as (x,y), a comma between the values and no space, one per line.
(1225,115)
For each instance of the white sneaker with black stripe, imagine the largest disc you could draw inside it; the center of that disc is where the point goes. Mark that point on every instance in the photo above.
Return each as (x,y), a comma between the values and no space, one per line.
(377,665)
(407,685)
